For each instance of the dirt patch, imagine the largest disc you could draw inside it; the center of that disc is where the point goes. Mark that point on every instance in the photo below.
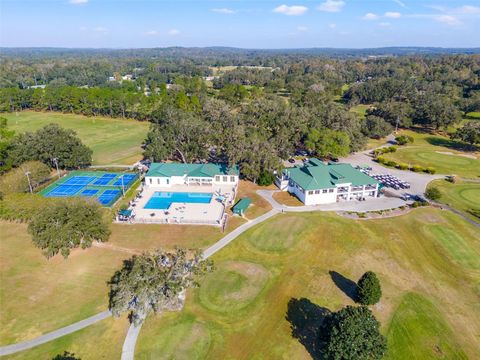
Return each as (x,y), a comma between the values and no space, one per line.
(285,198)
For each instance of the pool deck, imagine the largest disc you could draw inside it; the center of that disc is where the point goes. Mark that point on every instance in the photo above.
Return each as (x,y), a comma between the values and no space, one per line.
(184,213)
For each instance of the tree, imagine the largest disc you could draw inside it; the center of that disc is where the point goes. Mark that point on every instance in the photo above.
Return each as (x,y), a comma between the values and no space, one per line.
(469,133)
(368,289)
(266,178)
(155,282)
(397,113)
(68,224)
(328,142)
(435,111)
(6,137)
(49,142)
(353,334)
(376,127)
(433,193)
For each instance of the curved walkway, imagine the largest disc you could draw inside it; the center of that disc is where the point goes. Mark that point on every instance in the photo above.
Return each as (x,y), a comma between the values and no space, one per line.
(25,345)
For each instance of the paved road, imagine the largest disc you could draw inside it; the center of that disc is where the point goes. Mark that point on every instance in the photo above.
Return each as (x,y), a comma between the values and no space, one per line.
(128,349)
(11,349)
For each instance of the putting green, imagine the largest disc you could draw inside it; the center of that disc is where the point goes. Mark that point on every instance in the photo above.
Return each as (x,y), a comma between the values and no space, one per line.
(183,338)
(471,196)
(418,331)
(444,159)
(456,247)
(233,286)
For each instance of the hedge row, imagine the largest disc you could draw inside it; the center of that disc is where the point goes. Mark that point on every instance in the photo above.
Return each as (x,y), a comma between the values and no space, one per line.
(403,166)
(384,150)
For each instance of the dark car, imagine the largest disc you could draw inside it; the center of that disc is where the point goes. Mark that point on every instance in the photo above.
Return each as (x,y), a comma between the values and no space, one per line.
(291,161)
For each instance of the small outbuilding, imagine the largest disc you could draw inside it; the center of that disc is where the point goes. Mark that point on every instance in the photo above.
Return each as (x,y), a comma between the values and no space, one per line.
(241,206)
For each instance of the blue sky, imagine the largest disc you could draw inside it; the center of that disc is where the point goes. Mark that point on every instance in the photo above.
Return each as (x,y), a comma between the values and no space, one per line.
(240,23)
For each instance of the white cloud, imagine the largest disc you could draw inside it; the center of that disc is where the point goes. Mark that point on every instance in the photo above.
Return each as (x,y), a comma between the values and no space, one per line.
(294,10)
(332,6)
(384,24)
(224,11)
(370,16)
(447,19)
(100,29)
(401,3)
(332,25)
(302,28)
(392,14)
(152,33)
(173,32)
(78,2)
(468,9)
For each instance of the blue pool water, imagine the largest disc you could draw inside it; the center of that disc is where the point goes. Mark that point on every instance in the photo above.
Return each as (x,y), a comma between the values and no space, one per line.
(162,200)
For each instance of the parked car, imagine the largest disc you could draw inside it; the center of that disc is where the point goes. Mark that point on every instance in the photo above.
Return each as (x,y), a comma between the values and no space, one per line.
(291,161)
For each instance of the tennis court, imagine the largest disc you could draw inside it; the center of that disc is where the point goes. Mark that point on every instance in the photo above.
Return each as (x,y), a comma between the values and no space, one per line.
(105,187)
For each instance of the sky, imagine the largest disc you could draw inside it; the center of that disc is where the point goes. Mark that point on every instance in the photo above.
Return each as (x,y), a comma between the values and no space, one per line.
(239,23)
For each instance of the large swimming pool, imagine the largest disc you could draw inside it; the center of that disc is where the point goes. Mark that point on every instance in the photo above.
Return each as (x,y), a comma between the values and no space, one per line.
(162,200)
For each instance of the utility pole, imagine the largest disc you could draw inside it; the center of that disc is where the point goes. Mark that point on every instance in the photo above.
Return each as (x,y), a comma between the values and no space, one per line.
(55,161)
(27,174)
(123,187)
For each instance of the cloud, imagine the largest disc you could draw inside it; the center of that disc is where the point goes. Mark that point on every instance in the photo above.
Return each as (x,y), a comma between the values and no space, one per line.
(392,14)
(294,10)
(173,32)
(78,2)
(152,33)
(332,25)
(100,29)
(447,19)
(401,3)
(302,28)
(384,24)
(370,16)
(468,9)
(332,6)
(224,11)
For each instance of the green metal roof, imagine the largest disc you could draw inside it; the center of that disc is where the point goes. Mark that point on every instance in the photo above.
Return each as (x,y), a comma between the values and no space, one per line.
(191,170)
(242,205)
(317,175)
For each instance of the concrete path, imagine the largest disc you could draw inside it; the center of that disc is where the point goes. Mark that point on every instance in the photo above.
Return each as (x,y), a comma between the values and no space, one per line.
(11,349)
(128,349)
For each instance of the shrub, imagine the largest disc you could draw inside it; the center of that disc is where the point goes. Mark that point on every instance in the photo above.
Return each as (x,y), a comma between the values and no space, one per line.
(391,163)
(430,170)
(416,168)
(266,178)
(451,179)
(368,288)
(380,160)
(403,166)
(404,139)
(433,193)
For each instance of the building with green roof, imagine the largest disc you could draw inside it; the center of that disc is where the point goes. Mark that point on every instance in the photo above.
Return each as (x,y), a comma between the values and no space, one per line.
(318,183)
(169,174)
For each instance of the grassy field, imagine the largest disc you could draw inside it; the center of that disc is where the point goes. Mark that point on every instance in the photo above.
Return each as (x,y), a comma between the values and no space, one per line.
(445,155)
(474,115)
(113,141)
(239,312)
(463,196)
(360,110)
(286,198)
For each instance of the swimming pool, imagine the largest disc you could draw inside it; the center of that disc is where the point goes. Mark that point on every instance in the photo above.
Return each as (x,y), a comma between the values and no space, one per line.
(162,200)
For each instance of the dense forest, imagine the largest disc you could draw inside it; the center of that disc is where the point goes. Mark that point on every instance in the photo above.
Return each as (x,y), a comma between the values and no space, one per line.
(253,108)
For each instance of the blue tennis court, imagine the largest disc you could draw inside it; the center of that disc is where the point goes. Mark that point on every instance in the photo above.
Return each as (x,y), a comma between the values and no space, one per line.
(105,187)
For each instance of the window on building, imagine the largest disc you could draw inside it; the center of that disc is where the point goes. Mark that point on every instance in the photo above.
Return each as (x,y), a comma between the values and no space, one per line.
(330,190)
(168,181)
(232,178)
(310,192)
(225,179)
(324,191)
(317,191)
(158,181)
(150,180)
(217,178)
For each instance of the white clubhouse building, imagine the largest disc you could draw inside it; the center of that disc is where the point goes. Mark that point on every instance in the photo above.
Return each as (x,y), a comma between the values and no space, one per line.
(317,183)
(171,174)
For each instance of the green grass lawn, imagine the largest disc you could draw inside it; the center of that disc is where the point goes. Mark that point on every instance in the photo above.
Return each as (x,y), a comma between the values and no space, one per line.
(239,310)
(360,110)
(474,115)
(113,141)
(463,196)
(419,331)
(445,155)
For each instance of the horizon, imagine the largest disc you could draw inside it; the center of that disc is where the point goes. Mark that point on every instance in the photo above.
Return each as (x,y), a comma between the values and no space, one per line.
(303,24)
